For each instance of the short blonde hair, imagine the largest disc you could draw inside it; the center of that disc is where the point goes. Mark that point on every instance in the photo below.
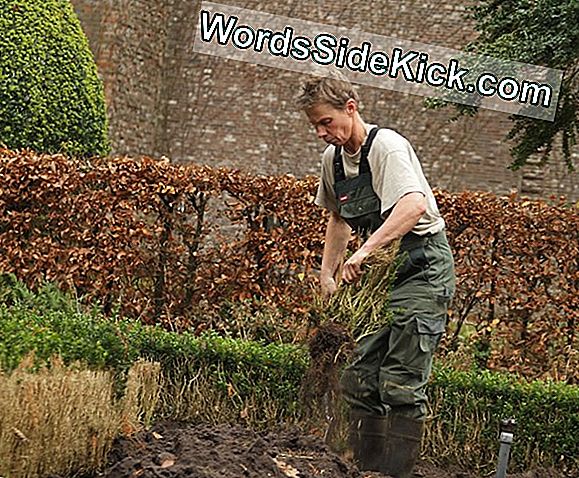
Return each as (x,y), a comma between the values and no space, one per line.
(334,90)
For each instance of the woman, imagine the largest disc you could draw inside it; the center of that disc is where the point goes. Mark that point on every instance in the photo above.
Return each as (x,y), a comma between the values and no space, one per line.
(372,183)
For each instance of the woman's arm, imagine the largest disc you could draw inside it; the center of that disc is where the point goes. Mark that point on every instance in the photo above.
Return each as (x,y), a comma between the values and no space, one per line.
(337,236)
(405,214)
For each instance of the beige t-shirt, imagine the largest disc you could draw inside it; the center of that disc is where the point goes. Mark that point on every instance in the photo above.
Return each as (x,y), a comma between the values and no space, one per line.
(396,171)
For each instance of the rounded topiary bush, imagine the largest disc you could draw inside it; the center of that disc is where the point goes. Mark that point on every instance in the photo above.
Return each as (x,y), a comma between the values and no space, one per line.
(51,98)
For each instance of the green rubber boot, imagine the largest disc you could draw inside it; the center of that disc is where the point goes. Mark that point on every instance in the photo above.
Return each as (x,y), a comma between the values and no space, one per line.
(366,439)
(388,444)
(402,446)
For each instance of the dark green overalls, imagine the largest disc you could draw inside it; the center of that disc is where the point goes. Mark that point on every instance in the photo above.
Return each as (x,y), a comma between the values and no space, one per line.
(390,369)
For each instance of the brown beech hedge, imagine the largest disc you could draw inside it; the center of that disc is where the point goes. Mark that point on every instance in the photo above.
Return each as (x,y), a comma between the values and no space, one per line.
(167,243)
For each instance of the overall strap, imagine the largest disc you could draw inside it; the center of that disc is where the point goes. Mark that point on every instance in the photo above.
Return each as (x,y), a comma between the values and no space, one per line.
(339,173)
(364,164)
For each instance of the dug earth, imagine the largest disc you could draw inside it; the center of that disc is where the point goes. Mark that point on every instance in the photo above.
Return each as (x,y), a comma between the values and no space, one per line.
(178,450)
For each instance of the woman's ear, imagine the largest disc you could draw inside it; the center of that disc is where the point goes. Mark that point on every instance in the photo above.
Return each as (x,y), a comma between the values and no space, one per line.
(351,106)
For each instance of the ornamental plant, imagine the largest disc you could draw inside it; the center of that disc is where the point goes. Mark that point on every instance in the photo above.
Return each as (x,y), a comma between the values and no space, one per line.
(51,99)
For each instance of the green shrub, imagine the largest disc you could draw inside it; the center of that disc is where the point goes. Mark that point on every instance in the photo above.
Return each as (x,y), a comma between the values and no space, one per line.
(469,406)
(51,99)
(238,374)
(50,323)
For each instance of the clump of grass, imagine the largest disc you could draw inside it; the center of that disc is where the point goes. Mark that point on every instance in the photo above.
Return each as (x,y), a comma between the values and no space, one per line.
(362,307)
(142,394)
(353,312)
(58,408)
(62,419)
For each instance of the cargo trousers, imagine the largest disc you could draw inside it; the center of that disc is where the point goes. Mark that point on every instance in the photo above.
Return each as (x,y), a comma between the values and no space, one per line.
(389,370)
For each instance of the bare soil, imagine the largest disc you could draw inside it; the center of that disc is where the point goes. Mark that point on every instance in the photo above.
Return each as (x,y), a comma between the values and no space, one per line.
(175,450)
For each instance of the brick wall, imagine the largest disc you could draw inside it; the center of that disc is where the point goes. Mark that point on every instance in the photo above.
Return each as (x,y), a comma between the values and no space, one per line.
(164,99)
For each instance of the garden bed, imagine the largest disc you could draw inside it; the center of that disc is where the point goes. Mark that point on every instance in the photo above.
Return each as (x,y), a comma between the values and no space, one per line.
(175,450)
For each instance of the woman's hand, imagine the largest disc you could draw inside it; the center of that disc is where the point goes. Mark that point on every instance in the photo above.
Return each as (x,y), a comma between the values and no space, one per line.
(328,286)
(353,266)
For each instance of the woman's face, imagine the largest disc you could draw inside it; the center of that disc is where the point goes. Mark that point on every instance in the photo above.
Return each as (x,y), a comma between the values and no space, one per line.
(333,125)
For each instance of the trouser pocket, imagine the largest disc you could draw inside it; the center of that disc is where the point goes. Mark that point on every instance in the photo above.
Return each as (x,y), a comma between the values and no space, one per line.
(407,365)
(430,332)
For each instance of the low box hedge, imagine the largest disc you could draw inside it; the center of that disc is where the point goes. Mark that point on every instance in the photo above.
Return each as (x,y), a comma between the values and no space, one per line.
(467,406)
(49,323)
